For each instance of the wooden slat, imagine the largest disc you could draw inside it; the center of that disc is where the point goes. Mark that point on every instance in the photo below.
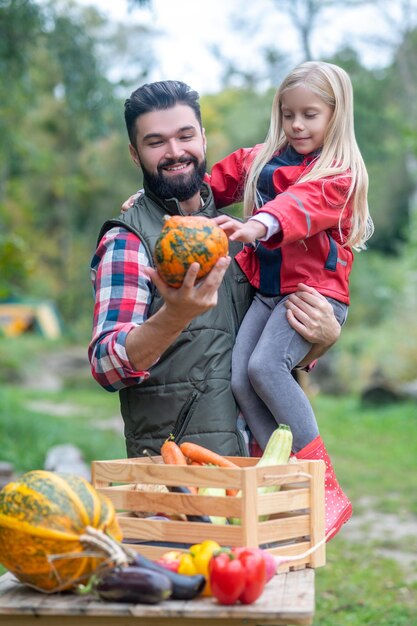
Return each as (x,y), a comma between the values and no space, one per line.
(115,471)
(317,517)
(249,517)
(284,501)
(284,529)
(172,531)
(136,500)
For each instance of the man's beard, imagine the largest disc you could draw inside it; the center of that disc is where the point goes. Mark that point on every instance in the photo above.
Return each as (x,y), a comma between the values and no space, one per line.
(182,186)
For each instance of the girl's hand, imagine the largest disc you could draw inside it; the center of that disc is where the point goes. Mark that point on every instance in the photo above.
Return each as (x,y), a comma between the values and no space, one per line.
(247,232)
(130,201)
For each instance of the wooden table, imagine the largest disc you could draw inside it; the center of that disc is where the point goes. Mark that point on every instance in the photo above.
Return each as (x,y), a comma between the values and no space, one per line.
(287,599)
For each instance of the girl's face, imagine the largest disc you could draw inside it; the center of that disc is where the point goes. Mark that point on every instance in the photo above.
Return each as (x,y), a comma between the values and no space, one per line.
(305,118)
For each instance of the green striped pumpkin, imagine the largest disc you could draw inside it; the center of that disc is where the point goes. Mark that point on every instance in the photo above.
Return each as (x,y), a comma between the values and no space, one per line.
(44,514)
(185,240)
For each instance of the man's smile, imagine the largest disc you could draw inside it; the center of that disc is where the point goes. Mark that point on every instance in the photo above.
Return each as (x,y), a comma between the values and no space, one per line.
(178,167)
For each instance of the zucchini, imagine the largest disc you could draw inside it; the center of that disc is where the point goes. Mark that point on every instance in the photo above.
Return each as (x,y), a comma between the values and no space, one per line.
(278,448)
(277,452)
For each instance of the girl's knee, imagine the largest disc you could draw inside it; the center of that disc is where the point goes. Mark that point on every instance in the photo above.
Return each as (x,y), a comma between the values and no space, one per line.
(263,372)
(258,368)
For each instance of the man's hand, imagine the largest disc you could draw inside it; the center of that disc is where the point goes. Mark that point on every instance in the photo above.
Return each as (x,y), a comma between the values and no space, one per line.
(192,298)
(248,232)
(311,315)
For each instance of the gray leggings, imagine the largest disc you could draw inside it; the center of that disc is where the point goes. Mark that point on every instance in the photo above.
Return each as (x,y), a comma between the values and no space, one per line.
(265,352)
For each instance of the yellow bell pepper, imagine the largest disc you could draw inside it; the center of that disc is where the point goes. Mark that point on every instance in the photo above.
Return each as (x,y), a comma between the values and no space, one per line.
(187,565)
(196,561)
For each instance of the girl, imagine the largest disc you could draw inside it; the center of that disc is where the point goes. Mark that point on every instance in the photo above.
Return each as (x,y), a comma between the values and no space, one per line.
(306,195)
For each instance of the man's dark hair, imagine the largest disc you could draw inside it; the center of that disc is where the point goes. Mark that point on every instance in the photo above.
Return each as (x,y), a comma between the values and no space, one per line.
(164,94)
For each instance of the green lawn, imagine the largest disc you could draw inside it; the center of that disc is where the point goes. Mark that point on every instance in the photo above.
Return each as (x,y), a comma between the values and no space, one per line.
(374,453)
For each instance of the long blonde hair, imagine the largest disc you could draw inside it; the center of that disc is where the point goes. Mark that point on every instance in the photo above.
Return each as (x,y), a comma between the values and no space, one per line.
(340,154)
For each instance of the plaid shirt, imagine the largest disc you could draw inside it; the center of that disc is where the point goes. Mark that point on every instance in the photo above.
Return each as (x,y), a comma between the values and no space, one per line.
(122,298)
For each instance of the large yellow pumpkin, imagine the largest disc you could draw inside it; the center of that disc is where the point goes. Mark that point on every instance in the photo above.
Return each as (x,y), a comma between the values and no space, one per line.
(184,240)
(43,515)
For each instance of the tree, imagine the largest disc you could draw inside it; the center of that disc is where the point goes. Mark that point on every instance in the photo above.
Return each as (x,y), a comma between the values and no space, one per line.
(63,156)
(20,28)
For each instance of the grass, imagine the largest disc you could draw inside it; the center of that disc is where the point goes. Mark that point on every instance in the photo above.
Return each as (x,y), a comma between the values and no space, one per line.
(374,452)
(27,433)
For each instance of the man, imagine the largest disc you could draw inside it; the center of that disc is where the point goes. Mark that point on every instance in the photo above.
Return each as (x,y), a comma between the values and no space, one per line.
(168,351)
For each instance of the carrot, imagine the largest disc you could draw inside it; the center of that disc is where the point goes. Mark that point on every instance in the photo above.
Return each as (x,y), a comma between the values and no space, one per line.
(172,455)
(204,456)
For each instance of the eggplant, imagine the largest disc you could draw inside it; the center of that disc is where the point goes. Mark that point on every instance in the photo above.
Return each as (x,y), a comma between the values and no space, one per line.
(190,518)
(183,587)
(134,584)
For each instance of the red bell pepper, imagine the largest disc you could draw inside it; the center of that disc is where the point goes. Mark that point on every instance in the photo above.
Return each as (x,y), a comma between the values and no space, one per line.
(237,575)
(271,563)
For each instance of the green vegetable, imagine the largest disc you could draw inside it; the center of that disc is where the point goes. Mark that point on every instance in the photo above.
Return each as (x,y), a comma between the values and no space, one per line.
(277,452)
(214,491)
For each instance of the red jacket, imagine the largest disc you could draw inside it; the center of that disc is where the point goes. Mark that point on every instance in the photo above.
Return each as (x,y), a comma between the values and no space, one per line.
(308,248)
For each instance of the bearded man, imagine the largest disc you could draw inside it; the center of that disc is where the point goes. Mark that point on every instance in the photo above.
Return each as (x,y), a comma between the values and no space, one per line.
(168,351)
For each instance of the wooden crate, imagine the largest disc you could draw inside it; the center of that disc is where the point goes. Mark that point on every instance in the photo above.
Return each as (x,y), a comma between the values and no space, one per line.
(295,513)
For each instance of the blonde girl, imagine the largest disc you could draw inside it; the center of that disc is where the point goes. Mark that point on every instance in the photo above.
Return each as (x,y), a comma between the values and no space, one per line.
(305,197)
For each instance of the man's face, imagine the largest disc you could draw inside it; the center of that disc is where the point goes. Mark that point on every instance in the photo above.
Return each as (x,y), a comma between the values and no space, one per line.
(170,149)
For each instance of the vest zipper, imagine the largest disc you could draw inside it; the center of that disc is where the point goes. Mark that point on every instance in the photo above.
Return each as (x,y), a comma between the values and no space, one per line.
(184,416)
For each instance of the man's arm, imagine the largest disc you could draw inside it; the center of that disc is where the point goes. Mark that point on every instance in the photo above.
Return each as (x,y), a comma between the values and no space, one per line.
(126,342)
(311,315)
(146,343)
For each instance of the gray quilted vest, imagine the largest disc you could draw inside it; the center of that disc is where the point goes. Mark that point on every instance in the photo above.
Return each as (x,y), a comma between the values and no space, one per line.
(188,392)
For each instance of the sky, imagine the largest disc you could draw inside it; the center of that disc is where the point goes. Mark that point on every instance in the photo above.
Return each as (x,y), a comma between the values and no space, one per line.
(188,28)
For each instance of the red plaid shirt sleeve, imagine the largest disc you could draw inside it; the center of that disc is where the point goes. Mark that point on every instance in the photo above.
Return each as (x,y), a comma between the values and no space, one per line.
(122,297)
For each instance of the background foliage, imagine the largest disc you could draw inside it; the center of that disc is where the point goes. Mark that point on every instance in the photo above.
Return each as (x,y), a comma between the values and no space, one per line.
(65,168)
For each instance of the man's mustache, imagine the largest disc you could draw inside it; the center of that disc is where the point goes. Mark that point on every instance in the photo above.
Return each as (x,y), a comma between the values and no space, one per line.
(172,162)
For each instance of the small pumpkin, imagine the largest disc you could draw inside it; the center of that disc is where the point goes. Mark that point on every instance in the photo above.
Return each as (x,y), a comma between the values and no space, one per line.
(46,514)
(184,240)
